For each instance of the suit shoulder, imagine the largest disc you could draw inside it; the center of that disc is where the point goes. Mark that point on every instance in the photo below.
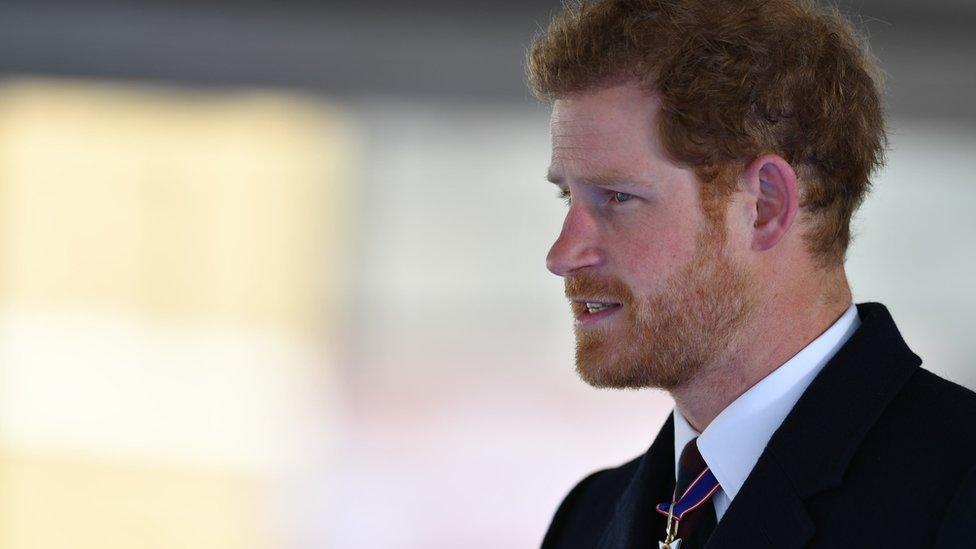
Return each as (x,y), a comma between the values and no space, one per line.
(589,506)
(944,401)
(935,413)
(610,480)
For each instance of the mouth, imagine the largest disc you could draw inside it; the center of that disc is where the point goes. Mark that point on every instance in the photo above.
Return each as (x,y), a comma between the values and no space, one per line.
(590,311)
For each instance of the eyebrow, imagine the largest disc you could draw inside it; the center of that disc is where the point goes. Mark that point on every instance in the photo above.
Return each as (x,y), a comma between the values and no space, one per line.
(602,179)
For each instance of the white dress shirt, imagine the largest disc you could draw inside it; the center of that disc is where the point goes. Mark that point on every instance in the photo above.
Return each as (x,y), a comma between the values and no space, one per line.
(733,441)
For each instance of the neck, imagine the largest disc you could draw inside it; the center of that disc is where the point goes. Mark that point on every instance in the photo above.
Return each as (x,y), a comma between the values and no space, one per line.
(779,330)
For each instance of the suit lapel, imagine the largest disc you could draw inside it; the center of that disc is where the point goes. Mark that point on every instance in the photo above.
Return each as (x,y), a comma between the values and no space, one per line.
(811,450)
(766,513)
(635,523)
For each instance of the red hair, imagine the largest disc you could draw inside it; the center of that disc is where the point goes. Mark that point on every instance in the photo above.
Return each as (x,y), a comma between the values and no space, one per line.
(736,79)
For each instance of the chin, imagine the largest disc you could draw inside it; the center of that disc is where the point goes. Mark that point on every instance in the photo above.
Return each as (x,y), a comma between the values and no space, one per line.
(609,370)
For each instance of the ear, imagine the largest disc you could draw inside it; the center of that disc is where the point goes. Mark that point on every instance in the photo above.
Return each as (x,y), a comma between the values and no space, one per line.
(772,183)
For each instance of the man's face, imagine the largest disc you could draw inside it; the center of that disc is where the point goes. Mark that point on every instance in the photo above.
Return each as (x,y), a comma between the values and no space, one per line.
(664,296)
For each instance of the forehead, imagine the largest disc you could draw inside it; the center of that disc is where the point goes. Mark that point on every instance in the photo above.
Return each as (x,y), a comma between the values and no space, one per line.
(610,129)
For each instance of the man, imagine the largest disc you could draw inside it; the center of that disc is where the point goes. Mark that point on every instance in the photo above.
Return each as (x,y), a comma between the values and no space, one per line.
(712,153)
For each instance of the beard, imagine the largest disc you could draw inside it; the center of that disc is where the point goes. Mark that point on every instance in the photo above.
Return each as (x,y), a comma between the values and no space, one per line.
(664,340)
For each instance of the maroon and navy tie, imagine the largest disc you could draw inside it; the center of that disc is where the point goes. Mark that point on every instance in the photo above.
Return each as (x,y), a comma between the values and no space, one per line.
(691,510)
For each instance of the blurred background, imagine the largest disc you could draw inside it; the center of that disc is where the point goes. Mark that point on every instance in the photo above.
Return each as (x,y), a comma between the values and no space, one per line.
(272,274)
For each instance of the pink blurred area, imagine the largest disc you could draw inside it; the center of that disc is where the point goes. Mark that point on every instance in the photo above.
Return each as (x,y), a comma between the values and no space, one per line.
(476,462)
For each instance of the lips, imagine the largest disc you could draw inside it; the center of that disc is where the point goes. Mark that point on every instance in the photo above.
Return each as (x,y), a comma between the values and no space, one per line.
(588,311)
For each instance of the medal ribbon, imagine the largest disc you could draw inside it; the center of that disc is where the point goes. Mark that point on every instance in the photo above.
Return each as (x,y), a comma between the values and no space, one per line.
(698,492)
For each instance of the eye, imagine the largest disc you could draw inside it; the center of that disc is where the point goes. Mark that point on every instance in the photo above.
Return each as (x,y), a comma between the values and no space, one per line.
(619,197)
(564,195)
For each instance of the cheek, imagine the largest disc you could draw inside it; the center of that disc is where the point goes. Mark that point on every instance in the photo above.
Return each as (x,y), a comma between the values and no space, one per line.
(653,254)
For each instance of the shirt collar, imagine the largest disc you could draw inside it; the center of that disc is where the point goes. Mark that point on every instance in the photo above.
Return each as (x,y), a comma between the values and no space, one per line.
(733,441)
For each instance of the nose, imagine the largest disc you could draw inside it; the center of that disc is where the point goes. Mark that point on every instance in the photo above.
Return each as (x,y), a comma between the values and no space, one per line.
(577,245)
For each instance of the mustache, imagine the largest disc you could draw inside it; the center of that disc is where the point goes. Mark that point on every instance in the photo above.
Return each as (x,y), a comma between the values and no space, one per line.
(598,288)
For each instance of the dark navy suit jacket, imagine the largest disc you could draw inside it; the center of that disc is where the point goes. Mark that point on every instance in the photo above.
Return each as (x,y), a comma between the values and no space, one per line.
(877,453)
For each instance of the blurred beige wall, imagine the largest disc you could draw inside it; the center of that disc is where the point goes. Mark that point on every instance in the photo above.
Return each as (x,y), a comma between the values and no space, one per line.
(169,265)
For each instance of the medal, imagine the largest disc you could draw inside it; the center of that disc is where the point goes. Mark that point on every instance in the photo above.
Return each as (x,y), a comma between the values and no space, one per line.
(694,497)
(670,530)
